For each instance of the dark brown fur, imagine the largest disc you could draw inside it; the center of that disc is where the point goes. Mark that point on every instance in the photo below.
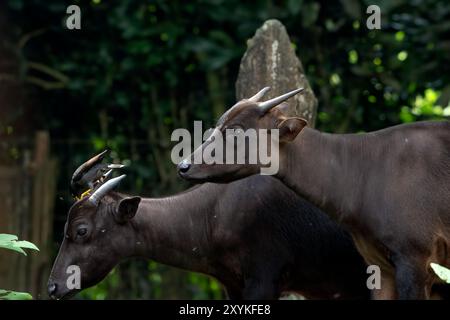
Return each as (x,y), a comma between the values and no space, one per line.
(255,236)
(390,188)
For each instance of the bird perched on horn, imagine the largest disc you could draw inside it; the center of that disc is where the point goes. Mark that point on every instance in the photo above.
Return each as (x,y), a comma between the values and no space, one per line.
(91,175)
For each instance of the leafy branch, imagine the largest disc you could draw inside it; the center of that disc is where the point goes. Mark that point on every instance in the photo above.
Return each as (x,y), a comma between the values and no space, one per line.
(11,242)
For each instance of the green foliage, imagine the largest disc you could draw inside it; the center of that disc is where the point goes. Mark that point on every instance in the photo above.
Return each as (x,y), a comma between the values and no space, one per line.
(442,272)
(425,107)
(10,242)
(13,295)
(139,69)
(101,290)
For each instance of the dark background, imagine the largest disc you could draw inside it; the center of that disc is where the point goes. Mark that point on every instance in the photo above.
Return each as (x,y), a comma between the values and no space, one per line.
(139,69)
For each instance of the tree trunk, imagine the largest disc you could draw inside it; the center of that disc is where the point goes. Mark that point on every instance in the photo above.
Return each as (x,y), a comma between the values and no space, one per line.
(270,60)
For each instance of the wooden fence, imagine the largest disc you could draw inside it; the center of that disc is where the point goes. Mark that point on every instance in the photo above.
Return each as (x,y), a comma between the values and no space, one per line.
(27,193)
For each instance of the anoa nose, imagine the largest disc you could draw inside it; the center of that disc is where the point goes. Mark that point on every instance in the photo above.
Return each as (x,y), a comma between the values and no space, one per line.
(51,289)
(183,166)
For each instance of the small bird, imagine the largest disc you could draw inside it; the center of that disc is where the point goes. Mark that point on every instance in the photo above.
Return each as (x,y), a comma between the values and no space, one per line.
(91,174)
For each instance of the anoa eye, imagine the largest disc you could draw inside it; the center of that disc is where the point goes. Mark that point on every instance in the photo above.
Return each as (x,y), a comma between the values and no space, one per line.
(81,231)
(239,131)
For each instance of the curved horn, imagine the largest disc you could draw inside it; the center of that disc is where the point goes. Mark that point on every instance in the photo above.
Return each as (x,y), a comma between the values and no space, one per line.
(84,168)
(105,188)
(115,166)
(259,95)
(269,104)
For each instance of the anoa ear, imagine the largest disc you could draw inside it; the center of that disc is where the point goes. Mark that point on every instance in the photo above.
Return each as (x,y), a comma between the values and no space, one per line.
(283,108)
(290,128)
(126,209)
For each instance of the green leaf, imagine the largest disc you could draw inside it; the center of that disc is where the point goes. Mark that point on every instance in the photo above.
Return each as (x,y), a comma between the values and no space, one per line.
(9,241)
(27,245)
(442,272)
(7,237)
(13,248)
(13,295)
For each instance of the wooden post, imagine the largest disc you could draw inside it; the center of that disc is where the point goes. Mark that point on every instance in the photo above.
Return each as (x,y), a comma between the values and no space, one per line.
(270,60)
(43,195)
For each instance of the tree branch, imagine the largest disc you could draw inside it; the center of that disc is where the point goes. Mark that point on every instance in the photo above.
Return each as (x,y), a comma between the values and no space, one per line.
(47,85)
(48,70)
(28,36)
